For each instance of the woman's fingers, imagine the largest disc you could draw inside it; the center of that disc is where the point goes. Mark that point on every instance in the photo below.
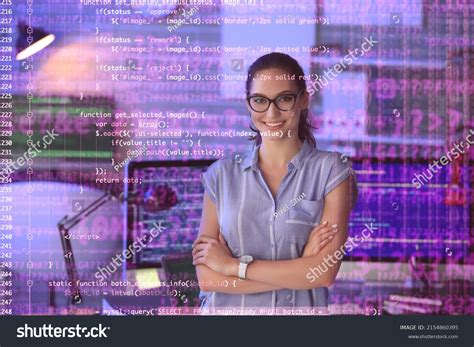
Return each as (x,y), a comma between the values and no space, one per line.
(325,235)
(199,247)
(318,228)
(320,245)
(199,254)
(315,246)
(202,239)
(322,229)
(198,258)
(199,261)
(320,238)
(321,225)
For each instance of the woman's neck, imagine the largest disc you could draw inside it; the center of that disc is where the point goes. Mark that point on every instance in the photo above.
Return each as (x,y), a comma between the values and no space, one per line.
(277,154)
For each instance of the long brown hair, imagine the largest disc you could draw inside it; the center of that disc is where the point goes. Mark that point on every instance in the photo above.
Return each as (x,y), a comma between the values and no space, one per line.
(291,66)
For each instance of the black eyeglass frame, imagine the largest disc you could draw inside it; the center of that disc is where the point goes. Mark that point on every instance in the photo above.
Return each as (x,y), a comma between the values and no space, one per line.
(273,100)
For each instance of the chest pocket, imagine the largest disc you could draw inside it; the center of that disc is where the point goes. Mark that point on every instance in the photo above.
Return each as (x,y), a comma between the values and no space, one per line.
(301,219)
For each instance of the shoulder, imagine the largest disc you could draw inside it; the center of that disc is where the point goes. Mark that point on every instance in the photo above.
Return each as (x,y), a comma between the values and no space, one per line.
(330,169)
(229,165)
(326,161)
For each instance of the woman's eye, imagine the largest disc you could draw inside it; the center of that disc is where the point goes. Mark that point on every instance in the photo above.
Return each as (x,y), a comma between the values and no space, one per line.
(285,98)
(259,100)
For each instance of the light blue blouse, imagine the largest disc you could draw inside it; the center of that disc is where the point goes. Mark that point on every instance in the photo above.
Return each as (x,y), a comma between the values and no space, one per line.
(254,223)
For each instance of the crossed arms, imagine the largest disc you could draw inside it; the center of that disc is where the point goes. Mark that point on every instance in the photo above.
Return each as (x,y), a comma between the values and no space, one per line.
(215,263)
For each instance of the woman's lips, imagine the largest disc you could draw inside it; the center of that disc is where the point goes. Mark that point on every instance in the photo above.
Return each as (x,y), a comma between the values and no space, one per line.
(274,126)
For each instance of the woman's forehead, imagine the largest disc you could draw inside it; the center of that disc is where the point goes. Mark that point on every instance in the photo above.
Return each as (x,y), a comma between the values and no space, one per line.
(271,82)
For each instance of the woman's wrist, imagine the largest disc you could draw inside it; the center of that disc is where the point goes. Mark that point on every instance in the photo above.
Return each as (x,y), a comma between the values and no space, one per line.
(232,268)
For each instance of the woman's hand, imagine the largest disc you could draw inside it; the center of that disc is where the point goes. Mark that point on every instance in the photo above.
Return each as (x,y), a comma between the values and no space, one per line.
(215,254)
(320,236)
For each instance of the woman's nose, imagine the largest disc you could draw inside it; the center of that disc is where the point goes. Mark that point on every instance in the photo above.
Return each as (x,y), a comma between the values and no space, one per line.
(273,111)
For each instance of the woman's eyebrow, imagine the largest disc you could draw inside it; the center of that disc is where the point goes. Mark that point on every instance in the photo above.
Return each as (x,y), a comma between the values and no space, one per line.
(283,92)
(258,94)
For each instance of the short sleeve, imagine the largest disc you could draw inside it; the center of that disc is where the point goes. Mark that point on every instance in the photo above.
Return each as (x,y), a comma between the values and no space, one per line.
(210,182)
(339,169)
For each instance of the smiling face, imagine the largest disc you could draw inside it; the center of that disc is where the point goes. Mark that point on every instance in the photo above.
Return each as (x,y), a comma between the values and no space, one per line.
(276,124)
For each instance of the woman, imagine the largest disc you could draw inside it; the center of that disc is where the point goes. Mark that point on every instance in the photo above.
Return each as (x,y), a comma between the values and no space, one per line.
(260,232)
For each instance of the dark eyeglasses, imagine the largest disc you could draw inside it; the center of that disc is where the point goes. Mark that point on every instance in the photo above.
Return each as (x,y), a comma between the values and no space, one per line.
(284,102)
